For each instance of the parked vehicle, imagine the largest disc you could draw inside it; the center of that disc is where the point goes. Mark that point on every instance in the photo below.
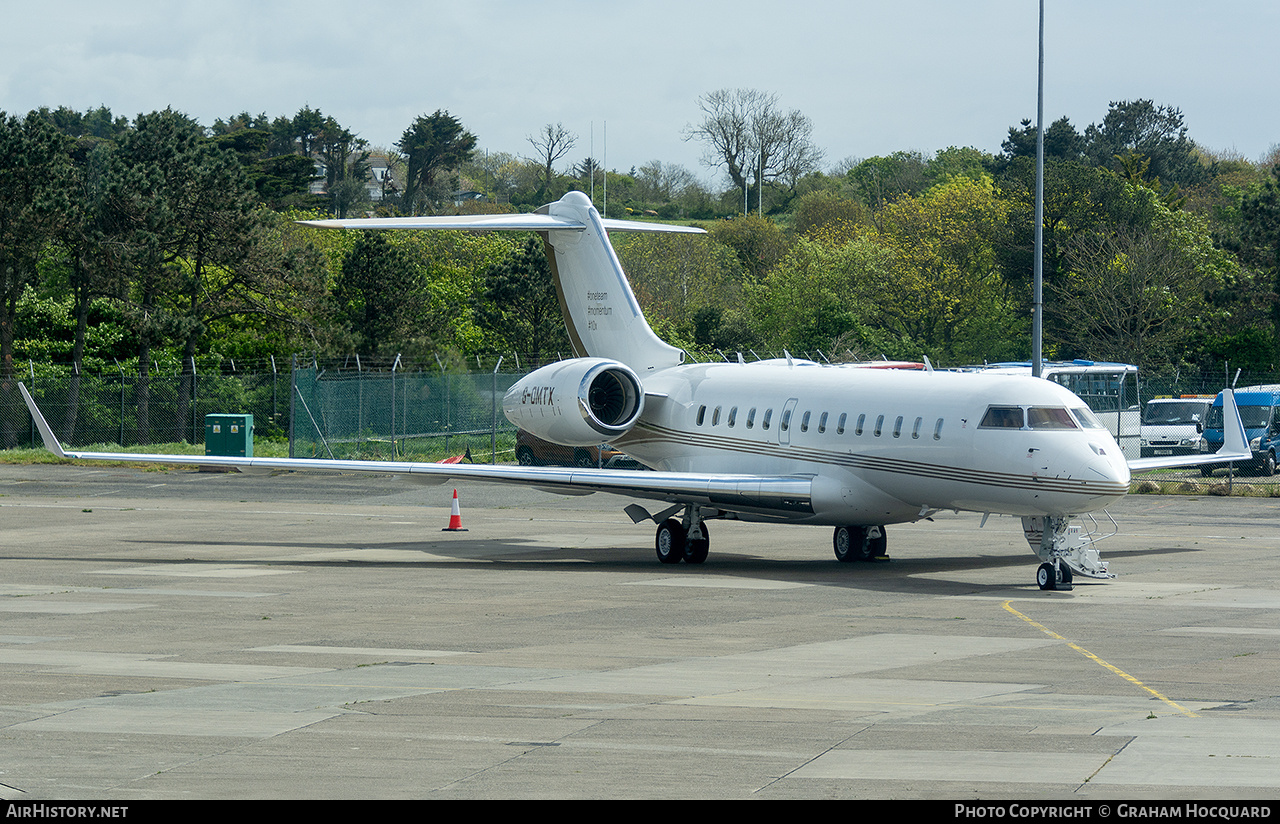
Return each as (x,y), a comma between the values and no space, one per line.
(1173,426)
(534,451)
(1260,414)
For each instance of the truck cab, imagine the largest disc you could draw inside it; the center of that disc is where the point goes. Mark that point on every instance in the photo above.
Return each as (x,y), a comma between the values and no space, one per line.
(1174,426)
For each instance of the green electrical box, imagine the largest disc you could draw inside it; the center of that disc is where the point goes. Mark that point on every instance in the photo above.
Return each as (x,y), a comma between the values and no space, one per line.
(228,435)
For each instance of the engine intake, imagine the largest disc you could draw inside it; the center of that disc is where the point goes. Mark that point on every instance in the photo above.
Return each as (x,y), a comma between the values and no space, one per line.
(578,402)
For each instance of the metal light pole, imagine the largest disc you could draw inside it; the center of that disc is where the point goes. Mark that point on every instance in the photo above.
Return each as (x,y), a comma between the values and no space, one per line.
(1037,319)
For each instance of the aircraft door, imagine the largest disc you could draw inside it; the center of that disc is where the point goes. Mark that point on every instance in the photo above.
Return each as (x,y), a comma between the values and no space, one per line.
(785,421)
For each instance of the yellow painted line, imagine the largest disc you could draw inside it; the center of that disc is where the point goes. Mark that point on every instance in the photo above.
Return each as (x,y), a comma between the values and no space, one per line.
(1126,676)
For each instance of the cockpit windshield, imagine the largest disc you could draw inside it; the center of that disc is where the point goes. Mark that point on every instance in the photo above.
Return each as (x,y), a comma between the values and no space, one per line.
(1040,418)
(1087,419)
(1050,417)
(1002,417)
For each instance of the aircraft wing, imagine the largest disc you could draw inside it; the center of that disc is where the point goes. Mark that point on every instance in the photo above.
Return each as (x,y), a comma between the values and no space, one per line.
(1235,443)
(774,496)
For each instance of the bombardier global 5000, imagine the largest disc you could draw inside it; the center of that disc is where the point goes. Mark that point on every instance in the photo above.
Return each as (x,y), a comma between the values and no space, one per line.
(781,441)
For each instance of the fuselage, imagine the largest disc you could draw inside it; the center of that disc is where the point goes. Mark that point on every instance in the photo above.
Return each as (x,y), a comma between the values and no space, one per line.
(884,446)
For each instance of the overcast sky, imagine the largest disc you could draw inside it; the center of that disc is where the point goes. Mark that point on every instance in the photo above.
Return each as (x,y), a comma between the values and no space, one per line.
(874,77)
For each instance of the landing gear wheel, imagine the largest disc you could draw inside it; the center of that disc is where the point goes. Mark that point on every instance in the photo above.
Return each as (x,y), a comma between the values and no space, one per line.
(1046,578)
(582,458)
(1206,472)
(524,456)
(696,549)
(876,545)
(1269,465)
(670,541)
(848,542)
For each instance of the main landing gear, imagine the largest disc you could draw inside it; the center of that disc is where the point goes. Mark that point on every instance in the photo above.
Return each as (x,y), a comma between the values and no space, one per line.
(686,538)
(859,543)
(686,541)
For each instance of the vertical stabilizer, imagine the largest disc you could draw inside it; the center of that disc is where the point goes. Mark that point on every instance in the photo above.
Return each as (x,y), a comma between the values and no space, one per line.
(600,311)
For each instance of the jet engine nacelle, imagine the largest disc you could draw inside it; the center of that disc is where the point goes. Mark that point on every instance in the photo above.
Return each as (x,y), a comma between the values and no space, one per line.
(578,402)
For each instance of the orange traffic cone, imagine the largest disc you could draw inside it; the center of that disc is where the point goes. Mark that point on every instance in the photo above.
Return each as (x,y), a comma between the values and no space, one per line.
(455,517)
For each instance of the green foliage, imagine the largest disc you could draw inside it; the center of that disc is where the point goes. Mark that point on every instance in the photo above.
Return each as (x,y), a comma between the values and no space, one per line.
(675,275)
(517,303)
(433,144)
(758,242)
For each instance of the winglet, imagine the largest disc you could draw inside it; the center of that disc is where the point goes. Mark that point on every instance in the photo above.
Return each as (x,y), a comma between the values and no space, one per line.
(46,432)
(1234,439)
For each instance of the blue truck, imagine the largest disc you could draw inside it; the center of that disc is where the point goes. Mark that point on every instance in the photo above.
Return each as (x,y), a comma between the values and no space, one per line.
(1260,414)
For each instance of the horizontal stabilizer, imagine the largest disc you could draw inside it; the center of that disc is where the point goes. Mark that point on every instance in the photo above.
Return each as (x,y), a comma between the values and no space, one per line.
(495,223)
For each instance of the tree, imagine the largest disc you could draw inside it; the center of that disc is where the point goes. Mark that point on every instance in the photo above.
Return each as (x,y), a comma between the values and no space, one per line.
(1061,142)
(1137,294)
(33,178)
(943,288)
(752,138)
(758,242)
(881,180)
(1144,128)
(379,295)
(432,144)
(552,143)
(518,302)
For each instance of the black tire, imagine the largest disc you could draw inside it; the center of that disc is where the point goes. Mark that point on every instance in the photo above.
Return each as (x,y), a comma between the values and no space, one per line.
(669,542)
(876,546)
(582,458)
(847,542)
(696,549)
(1269,465)
(1046,578)
(1206,472)
(524,456)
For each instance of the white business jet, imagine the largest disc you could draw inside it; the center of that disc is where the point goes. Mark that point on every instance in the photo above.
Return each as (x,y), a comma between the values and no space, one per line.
(778,441)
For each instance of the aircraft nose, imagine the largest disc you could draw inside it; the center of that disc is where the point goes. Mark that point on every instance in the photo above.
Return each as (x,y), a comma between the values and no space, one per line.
(1107,465)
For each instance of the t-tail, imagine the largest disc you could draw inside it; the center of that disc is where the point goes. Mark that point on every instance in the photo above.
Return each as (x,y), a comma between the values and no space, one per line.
(600,311)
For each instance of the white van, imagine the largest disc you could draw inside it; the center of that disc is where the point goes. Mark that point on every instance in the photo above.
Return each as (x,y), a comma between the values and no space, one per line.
(1173,426)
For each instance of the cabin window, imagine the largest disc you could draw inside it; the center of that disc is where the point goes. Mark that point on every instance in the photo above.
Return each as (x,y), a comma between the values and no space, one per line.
(862,419)
(879,425)
(840,423)
(822,423)
(784,424)
(804,422)
(915,430)
(764,424)
(937,430)
(1002,417)
(702,413)
(733,417)
(715,417)
(1049,417)
(897,427)
(751,418)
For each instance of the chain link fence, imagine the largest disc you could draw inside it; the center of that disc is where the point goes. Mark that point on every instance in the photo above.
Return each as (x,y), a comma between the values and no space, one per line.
(321,410)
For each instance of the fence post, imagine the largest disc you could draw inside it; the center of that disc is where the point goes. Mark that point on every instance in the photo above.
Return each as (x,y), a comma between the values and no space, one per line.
(293,390)
(493,428)
(394,366)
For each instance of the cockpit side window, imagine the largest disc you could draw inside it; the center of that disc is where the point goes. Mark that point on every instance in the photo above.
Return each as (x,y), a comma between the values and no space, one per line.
(1002,417)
